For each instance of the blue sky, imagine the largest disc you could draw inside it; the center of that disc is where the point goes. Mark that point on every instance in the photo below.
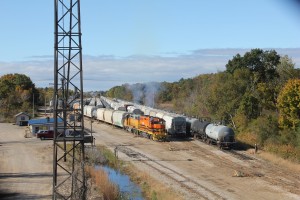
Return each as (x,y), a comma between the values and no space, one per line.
(169,38)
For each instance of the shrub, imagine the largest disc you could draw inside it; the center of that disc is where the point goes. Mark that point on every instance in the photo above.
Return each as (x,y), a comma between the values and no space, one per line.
(109,190)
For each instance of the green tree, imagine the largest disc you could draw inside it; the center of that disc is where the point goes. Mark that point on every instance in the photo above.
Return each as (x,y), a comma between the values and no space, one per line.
(120,92)
(224,97)
(237,62)
(286,70)
(261,63)
(165,94)
(249,106)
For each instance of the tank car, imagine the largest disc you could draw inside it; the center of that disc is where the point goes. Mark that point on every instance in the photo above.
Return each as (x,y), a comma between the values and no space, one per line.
(220,134)
(198,128)
(192,122)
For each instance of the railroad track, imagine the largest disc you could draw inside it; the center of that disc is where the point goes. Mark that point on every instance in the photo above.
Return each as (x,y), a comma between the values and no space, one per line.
(238,155)
(181,179)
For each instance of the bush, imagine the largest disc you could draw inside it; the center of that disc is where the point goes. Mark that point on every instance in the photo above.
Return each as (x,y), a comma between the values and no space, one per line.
(265,127)
(109,190)
(286,151)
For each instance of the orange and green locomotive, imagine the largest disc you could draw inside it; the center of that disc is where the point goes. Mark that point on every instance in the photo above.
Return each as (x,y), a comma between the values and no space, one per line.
(145,125)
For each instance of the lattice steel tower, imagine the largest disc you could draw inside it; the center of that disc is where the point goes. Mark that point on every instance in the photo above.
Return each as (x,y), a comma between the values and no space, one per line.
(68,152)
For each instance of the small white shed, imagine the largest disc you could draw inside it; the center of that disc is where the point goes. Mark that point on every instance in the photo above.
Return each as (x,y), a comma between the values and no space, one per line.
(22,119)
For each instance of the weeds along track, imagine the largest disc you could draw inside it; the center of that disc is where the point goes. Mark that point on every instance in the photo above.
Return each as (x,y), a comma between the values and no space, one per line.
(238,155)
(182,180)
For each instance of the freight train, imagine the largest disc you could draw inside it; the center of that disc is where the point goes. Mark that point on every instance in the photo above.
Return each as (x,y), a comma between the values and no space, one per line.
(202,129)
(157,124)
(143,125)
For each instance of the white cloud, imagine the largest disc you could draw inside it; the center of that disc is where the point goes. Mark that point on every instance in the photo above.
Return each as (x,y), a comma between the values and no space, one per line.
(105,71)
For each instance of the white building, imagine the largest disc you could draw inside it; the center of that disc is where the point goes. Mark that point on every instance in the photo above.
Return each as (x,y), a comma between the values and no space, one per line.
(22,119)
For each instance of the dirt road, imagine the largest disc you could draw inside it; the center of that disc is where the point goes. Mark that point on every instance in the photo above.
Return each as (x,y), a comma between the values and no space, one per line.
(193,169)
(26,165)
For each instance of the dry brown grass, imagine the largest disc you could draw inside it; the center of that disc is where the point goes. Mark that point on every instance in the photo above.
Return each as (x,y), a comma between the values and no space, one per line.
(152,189)
(109,190)
(280,161)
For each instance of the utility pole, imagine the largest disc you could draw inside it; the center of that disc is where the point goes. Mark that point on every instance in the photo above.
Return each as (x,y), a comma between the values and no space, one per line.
(32,100)
(32,104)
(69,180)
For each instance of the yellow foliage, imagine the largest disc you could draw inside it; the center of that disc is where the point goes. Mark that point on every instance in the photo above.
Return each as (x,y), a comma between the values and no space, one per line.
(247,137)
(288,103)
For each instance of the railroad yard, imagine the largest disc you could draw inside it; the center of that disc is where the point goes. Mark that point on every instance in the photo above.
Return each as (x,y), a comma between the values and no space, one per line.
(193,169)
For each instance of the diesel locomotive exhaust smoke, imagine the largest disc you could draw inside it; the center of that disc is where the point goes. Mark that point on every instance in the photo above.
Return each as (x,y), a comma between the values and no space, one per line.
(145,93)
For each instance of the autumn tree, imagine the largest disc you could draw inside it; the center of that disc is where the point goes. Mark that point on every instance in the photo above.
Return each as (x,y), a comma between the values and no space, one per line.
(16,94)
(288,104)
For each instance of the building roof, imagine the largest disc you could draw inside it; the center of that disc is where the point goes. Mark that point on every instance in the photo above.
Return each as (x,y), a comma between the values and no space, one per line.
(22,113)
(43,121)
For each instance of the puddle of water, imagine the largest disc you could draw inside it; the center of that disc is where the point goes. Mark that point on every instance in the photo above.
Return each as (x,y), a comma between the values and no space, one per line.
(128,189)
